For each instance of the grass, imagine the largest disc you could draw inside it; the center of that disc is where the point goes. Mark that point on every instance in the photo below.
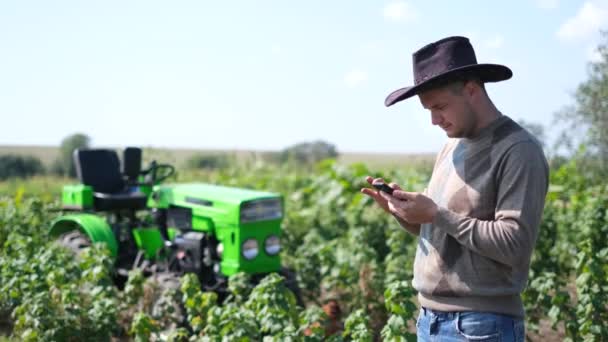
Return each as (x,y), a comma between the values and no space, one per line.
(47,187)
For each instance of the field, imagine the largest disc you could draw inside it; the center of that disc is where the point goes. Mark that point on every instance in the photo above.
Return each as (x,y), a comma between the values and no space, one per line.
(354,263)
(47,154)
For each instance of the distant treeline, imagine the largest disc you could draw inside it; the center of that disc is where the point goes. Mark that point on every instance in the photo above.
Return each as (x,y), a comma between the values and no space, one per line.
(12,165)
(302,154)
(24,166)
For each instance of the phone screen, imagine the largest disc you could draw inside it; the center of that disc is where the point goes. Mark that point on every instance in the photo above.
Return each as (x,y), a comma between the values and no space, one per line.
(383,187)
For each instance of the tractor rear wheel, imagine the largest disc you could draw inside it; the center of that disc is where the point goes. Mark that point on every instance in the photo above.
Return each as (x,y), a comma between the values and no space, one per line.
(75,240)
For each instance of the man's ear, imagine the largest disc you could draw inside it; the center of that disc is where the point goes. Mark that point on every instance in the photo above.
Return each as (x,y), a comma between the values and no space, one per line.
(471,89)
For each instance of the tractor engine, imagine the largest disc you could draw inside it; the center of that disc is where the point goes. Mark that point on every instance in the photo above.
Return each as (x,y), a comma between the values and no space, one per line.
(193,251)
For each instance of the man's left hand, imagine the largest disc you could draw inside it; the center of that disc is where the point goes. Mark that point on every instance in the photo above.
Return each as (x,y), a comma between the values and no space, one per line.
(413,207)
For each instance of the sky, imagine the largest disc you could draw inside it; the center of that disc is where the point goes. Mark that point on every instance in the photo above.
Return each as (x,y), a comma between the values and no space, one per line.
(263,75)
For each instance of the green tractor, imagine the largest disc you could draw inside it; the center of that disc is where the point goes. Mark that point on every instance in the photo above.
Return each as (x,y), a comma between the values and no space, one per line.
(170,229)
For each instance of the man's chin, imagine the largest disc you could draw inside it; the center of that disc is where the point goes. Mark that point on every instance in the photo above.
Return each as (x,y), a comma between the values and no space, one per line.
(453,134)
(450,132)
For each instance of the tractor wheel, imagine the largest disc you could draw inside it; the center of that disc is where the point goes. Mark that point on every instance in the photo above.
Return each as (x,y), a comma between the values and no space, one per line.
(75,240)
(165,300)
(166,280)
(291,282)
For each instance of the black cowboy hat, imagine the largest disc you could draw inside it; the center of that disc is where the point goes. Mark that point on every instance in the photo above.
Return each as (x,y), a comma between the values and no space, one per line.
(444,60)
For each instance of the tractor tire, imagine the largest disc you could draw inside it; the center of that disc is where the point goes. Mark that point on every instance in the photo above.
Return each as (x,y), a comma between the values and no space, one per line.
(291,282)
(166,280)
(166,304)
(75,240)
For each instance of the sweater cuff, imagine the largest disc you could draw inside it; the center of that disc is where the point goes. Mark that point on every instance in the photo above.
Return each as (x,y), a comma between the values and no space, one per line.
(446,220)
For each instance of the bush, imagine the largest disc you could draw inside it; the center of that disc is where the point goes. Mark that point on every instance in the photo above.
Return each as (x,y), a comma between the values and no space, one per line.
(64,165)
(208,161)
(19,166)
(308,152)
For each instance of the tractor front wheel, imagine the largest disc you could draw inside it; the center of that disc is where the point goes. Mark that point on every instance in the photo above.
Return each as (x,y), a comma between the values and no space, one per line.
(75,240)
(166,304)
(291,282)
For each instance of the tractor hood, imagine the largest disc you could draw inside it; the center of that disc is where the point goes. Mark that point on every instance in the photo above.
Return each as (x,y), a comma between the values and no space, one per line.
(201,194)
(221,203)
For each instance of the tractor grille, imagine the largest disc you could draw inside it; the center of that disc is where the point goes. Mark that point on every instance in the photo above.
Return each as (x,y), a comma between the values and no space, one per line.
(262,210)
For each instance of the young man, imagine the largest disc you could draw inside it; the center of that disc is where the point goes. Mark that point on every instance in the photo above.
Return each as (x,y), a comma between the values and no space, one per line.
(478,219)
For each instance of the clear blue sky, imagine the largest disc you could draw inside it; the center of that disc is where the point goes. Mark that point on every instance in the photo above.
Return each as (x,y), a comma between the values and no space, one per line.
(267,74)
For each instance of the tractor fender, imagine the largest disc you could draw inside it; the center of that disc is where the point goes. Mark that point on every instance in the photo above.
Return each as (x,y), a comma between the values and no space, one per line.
(95,227)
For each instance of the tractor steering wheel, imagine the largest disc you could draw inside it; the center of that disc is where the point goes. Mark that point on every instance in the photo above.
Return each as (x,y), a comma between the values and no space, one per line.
(158,173)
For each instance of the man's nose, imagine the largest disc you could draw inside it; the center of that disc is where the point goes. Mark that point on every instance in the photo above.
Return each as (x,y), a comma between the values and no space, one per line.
(436,119)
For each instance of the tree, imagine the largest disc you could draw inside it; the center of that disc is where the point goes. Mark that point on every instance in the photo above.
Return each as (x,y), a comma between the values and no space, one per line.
(536,129)
(590,110)
(64,164)
(309,152)
(209,161)
(19,166)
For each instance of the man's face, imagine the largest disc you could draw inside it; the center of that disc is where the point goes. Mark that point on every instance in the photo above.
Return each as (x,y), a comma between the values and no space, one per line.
(450,110)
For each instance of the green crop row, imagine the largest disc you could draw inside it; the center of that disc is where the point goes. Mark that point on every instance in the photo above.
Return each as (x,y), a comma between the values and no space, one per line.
(353,264)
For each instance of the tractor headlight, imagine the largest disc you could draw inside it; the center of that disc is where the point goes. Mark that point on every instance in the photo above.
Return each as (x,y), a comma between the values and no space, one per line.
(272,246)
(250,249)
(220,249)
(261,210)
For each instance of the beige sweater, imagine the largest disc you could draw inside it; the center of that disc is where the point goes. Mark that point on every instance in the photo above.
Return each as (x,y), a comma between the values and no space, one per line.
(490,190)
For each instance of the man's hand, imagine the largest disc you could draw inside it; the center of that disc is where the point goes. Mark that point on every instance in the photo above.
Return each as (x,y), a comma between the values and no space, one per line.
(375,194)
(384,201)
(413,207)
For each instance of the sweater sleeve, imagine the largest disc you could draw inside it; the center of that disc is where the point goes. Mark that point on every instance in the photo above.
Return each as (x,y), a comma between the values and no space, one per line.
(522,179)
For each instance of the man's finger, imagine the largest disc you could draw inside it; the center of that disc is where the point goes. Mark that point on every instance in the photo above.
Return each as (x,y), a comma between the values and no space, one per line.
(372,180)
(404,195)
(369,192)
(395,186)
(386,196)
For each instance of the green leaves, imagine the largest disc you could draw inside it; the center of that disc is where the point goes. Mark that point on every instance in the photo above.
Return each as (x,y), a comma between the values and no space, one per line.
(356,327)
(240,287)
(198,304)
(592,269)
(134,288)
(143,327)
(398,300)
(273,305)
(51,295)
(342,248)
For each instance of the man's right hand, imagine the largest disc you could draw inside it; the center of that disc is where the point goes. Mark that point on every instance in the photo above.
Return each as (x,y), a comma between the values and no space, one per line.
(383,203)
(375,194)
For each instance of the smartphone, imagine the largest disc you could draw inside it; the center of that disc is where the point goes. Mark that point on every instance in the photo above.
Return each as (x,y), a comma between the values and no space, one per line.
(383,187)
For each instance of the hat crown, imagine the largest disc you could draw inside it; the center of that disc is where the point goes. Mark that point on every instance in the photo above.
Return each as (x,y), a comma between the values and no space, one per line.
(442,56)
(444,61)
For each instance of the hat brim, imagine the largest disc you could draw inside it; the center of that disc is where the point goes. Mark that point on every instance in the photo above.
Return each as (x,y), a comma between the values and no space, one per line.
(485,72)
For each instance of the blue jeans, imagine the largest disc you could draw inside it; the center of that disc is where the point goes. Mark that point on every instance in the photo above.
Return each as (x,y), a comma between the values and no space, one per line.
(468,326)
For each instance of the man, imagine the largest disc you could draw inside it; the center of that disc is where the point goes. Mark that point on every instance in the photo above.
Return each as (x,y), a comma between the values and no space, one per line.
(478,219)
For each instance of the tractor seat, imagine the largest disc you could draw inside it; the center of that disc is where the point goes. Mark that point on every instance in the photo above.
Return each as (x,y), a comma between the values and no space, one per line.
(108,202)
(100,169)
